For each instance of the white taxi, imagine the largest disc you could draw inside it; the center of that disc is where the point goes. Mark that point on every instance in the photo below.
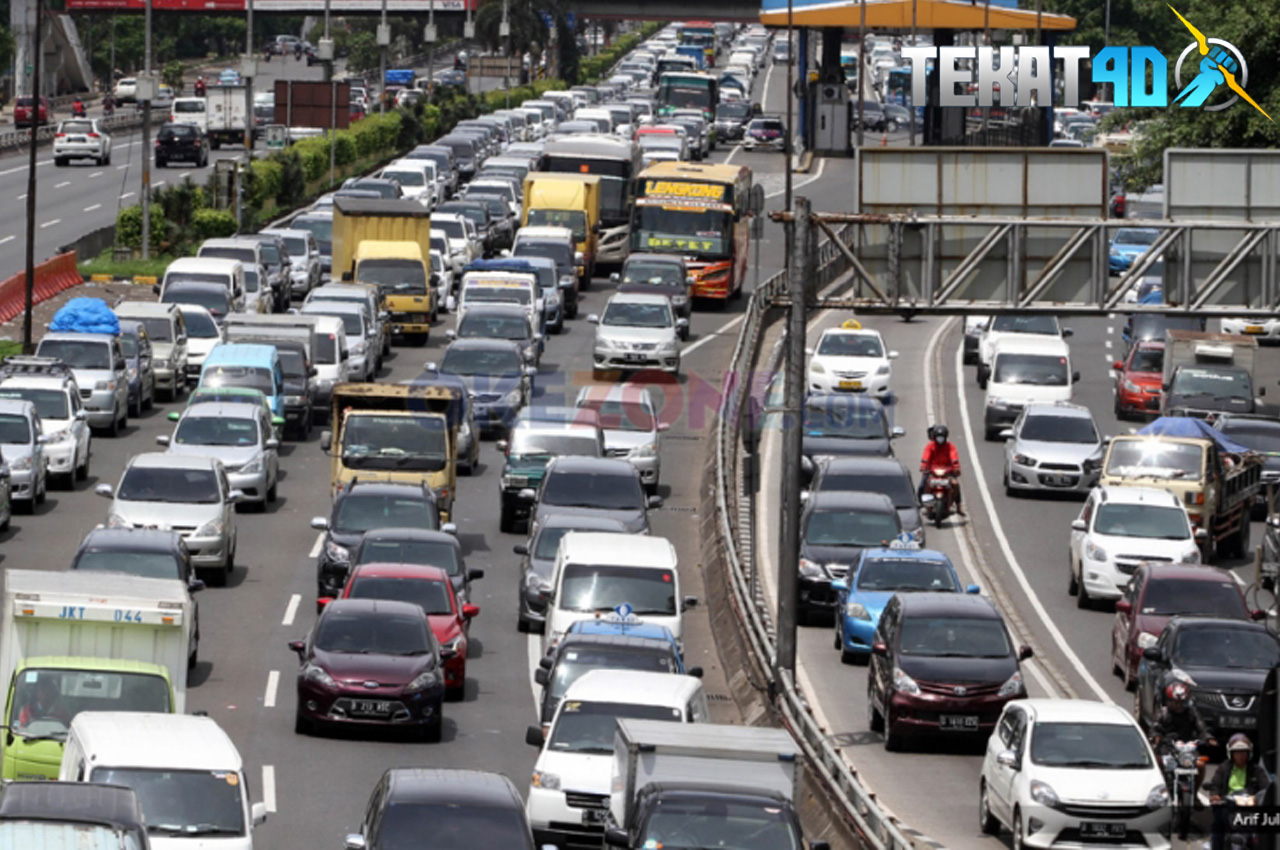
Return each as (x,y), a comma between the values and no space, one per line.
(850,358)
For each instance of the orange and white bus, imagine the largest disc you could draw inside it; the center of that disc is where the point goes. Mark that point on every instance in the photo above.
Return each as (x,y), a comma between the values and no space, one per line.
(701,212)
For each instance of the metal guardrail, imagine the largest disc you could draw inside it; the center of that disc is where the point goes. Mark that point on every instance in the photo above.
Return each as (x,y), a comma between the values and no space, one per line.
(19,138)
(736,527)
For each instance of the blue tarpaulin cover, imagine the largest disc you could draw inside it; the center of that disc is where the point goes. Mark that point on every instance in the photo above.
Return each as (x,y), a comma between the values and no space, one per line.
(399,77)
(85,316)
(1197,429)
(506,264)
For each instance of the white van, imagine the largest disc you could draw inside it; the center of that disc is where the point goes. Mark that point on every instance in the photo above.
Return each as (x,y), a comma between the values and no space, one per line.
(190,110)
(595,572)
(186,772)
(1024,370)
(573,778)
(484,287)
(228,273)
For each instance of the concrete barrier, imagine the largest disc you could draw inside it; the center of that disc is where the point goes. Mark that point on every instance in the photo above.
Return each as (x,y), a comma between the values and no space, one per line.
(52,276)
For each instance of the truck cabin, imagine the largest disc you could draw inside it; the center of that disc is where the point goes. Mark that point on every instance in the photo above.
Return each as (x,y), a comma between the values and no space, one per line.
(375,434)
(87,815)
(711,814)
(395,268)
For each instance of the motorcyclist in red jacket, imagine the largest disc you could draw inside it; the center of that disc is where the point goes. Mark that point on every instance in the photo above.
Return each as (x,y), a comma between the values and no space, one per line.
(940,453)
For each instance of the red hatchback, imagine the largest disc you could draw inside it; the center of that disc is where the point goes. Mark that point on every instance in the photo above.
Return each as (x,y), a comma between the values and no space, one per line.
(1138,379)
(431,589)
(1159,592)
(22,112)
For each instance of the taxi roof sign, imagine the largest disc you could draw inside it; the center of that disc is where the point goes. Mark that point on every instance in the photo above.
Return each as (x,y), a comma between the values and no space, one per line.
(623,614)
(905,540)
(851,325)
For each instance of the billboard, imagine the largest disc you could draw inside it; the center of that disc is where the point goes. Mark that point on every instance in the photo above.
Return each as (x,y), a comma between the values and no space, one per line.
(308,104)
(285,6)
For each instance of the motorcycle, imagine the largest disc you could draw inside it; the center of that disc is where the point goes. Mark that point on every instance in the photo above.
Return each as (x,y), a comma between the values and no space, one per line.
(200,88)
(1182,762)
(938,500)
(1238,840)
(108,107)
(77,109)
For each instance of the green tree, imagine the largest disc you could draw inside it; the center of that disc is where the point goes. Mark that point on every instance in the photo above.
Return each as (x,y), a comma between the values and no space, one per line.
(364,52)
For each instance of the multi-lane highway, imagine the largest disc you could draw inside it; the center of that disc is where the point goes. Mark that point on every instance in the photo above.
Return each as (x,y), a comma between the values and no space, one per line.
(316,788)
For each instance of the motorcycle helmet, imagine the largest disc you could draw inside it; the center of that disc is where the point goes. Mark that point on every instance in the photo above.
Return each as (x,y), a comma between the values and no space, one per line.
(1177,692)
(1239,742)
(938,432)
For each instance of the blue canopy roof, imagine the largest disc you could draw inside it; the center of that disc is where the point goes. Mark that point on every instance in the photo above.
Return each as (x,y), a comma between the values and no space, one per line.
(1197,429)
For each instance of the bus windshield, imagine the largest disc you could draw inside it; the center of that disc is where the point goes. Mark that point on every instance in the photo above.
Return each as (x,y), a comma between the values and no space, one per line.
(615,181)
(686,91)
(692,231)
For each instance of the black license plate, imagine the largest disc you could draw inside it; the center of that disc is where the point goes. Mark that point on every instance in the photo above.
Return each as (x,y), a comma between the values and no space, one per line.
(1058,480)
(636,358)
(370,707)
(594,817)
(1231,722)
(960,722)
(1099,829)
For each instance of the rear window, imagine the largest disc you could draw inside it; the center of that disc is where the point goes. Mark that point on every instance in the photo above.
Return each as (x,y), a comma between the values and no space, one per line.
(189,106)
(77,127)
(178,132)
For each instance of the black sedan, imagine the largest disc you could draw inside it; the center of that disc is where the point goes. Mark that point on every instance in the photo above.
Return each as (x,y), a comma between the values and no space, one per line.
(419,547)
(834,529)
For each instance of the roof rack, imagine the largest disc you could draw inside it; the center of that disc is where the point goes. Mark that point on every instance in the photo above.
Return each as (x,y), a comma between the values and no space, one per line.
(20,364)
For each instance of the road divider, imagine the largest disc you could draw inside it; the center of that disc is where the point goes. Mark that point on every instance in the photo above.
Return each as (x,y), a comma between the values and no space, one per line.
(52,276)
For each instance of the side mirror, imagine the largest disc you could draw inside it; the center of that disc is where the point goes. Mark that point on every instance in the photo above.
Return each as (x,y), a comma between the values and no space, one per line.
(1117,365)
(819,845)
(1006,433)
(533,736)
(542,676)
(973,590)
(879,648)
(1151,653)
(655,501)
(320,523)
(431,365)
(528,494)
(1075,377)
(475,574)
(258,813)
(162,440)
(615,837)
(81,415)
(312,372)
(326,440)
(278,421)
(1257,615)
(898,431)
(447,654)
(354,841)
(273,443)
(1201,535)
(105,490)
(155,287)
(682,323)
(235,497)
(1079,525)
(545,662)
(1025,651)
(450,334)
(521,548)
(174,415)
(530,371)
(1008,758)
(195,585)
(299,647)
(450,528)
(839,584)
(893,355)
(1124,606)
(593,319)
(804,496)
(664,426)
(470,612)
(689,602)
(578,258)
(1066,332)
(695,672)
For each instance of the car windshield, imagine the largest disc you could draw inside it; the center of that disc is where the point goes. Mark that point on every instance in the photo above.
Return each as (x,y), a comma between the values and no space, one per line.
(239,376)
(494,326)
(451,826)
(373,633)
(1045,370)
(479,293)
(321,228)
(575,220)
(49,404)
(482,361)
(172,486)
(688,823)
(905,574)
(1021,323)
(1149,326)
(433,597)
(158,329)
(896,486)
(46,700)
(453,228)
(1136,236)
(370,441)
(251,283)
(358,513)
(296,246)
(1224,647)
(213,300)
(216,431)
(199,325)
(591,588)
(406,177)
(664,274)
(1105,746)
(735,111)
(527,443)
(1059,429)
(1170,597)
(603,491)
(77,354)
(849,422)
(580,658)
(636,315)
(394,277)
(851,345)
(423,553)
(1256,435)
(1154,522)
(621,415)
(1147,360)
(183,803)
(1157,458)
(245,255)
(562,254)
(960,637)
(847,527)
(1221,384)
(588,727)
(131,561)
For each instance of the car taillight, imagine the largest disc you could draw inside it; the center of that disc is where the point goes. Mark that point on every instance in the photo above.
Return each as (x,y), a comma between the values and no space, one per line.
(94,136)
(60,135)
(157,143)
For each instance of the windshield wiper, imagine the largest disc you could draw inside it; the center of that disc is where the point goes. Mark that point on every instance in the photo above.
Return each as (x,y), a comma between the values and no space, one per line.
(595,750)
(50,737)
(210,829)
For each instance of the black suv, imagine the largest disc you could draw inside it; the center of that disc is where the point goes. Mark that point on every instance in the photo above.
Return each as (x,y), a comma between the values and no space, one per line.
(366,506)
(182,143)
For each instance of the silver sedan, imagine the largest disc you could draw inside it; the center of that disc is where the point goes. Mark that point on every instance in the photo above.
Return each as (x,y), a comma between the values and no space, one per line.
(1052,448)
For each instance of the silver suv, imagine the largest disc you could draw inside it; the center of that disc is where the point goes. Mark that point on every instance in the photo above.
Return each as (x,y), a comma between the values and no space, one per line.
(631,428)
(101,372)
(637,331)
(22,444)
(242,437)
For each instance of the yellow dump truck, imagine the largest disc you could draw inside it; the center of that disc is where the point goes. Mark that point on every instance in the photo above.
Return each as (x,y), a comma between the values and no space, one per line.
(566,200)
(387,244)
(396,433)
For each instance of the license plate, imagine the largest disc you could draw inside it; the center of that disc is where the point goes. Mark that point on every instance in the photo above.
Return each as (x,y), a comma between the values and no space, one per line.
(1057,480)
(958,721)
(851,385)
(1229,722)
(1097,829)
(370,706)
(593,817)
(636,358)
(1253,329)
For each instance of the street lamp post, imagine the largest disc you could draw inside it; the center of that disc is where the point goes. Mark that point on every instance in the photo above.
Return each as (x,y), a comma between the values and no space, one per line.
(862,67)
(384,41)
(249,119)
(147,153)
(30,281)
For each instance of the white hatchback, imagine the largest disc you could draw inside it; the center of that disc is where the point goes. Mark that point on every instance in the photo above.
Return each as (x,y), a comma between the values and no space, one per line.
(1118,529)
(1070,773)
(849,359)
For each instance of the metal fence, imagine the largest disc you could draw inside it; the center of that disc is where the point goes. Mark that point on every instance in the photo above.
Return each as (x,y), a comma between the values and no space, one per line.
(119,121)
(735,524)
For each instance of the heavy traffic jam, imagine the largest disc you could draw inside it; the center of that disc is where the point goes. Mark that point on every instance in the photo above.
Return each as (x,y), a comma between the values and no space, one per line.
(401,348)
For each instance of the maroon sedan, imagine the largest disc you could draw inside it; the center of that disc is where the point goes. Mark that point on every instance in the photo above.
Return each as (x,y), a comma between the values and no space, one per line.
(431,589)
(371,662)
(1157,593)
(23,108)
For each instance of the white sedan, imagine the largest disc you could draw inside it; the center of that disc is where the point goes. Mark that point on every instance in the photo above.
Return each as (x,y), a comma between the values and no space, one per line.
(1072,772)
(850,359)
(81,138)
(1263,327)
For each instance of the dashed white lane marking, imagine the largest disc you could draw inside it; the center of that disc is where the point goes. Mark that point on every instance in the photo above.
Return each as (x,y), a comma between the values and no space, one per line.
(315,548)
(269,788)
(50,223)
(7,239)
(291,610)
(92,207)
(95,174)
(127,195)
(121,167)
(184,174)
(822,163)
(729,325)
(62,184)
(273,685)
(157,184)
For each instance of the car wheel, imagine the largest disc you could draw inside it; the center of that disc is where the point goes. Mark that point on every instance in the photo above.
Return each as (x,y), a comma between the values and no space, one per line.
(506,519)
(274,491)
(1130,681)
(1083,602)
(1004,479)
(892,737)
(107,159)
(875,721)
(847,657)
(8,517)
(150,401)
(194,658)
(1017,830)
(82,471)
(59,162)
(303,725)
(160,163)
(135,408)
(114,430)
(987,822)
(217,577)
(1073,584)
(432,732)
(43,492)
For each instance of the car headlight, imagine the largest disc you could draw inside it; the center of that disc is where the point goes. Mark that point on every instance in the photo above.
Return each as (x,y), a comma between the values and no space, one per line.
(455,644)
(133,372)
(424,680)
(1043,794)
(318,676)
(678,300)
(1094,552)
(20,464)
(606,342)
(816,368)
(1024,460)
(1130,386)
(116,521)
(1191,556)
(358,348)
(856,611)
(669,345)
(105,385)
(334,552)
(59,436)
(811,569)
(543,779)
(1116,253)
(904,684)
(647,450)
(1012,686)
(512,397)
(1146,640)
(212,528)
(295,400)
(997,402)
(1159,797)
(252,467)
(884,369)
(566,282)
